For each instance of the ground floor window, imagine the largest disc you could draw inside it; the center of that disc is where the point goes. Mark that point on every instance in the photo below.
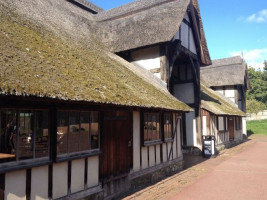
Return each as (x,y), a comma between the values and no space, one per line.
(152,128)
(222,123)
(167,126)
(157,127)
(24,134)
(238,123)
(77,131)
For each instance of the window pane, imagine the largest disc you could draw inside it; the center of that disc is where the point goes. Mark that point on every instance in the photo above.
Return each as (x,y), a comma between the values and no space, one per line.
(41,136)
(25,147)
(84,131)
(62,132)
(167,126)
(74,130)
(8,136)
(94,131)
(151,127)
(221,123)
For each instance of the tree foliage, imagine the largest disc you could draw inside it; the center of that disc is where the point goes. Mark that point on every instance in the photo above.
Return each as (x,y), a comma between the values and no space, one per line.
(258,80)
(254,106)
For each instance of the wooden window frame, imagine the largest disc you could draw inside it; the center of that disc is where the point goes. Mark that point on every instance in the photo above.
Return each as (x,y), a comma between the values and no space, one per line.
(84,153)
(31,162)
(238,123)
(170,139)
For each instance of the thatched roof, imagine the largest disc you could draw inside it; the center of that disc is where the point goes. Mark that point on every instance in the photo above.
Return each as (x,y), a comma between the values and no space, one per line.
(146,22)
(226,72)
(88,5)
(37,61)
(218,104)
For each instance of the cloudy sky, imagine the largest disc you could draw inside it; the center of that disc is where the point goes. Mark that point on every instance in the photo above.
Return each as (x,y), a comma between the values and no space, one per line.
(232,27)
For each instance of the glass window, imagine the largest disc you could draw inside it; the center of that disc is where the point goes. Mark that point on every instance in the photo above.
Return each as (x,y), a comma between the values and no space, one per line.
(168,126)
(23,135)
(77,131)
(151,127)
(94,131)
(26,126)
(41,135)
(62,132)
(74,132)
(221,123)
(84,131)
(238,124)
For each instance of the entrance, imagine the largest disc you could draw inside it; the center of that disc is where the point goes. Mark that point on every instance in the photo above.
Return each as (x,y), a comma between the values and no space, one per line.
(117,153)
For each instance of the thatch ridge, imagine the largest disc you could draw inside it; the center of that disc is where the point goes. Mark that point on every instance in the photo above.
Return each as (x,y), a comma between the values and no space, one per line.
(37,62)
(146,22)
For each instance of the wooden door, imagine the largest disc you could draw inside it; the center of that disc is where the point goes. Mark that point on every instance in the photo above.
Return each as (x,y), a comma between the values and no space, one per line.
(116,145)
(231,124)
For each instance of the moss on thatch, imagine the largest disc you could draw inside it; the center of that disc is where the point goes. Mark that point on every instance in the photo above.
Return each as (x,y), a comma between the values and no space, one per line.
(218,104)
(35,62)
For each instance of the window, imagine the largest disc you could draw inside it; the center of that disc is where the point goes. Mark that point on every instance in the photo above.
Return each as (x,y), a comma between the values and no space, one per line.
(77,131)
(167,126)
(221,123)
(238,124)
(24,134)
(152,127)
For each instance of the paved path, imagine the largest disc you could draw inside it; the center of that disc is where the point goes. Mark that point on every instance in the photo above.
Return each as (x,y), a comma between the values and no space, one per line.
(239,173)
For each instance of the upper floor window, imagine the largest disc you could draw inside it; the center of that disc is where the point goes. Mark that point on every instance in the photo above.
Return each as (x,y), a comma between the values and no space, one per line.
(77,131)
(24,135)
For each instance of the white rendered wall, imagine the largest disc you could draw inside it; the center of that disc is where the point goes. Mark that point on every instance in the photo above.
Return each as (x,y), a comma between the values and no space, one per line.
(136,141)
(184,35)
(191,136)
(148,58)
(60,179)
(152,161)
(144,152)
(39,189)
(244,125)
(77,175)
(230,93)
(204,125)
(184,92)
(158,161)
(15,185)
(93,171)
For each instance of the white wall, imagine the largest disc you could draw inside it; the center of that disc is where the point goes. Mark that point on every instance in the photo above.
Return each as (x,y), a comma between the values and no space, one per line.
(244,125)
(77,175)
(148,58)
(60,179)
(184,92)
(39,183)
(191,135)
(93,171)
(204,125)
(15,185)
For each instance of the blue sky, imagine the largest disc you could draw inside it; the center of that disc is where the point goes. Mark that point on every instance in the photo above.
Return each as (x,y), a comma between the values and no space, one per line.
(231,27)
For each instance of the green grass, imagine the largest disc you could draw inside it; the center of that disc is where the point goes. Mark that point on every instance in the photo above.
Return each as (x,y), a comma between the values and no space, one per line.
(257,127)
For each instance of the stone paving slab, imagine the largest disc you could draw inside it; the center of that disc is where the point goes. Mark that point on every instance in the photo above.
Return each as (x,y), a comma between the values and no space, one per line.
(237,173)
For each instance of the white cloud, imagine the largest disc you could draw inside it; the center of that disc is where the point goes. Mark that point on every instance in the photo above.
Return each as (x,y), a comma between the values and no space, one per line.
(254,58)
(259,17)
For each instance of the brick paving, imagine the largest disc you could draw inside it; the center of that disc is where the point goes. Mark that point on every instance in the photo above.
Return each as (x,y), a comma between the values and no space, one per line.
(203,175)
